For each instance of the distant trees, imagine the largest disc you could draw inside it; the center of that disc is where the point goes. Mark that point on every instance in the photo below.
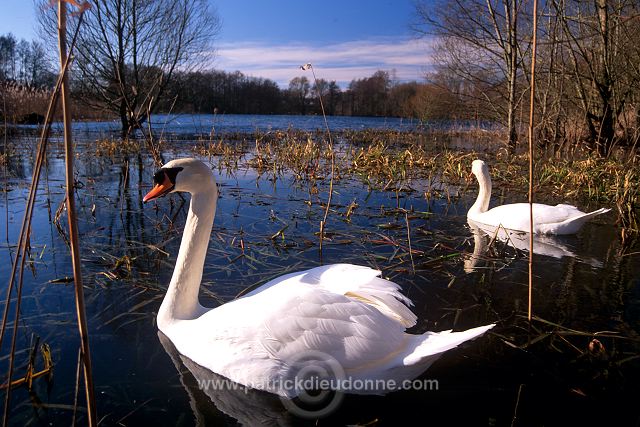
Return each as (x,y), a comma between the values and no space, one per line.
(122,86)
(128,51)
(24,62)
(377,95)
(218,91)
(298,94)
(369,95)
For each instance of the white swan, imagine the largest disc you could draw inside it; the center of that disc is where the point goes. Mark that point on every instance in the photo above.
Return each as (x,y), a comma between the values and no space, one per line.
(547,219)
(341,312)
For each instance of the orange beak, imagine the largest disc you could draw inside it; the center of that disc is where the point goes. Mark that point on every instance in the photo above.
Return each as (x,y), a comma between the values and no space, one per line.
(159,190)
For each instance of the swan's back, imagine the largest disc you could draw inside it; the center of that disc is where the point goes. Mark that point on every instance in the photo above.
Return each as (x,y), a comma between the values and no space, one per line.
(547,219)
(515,216)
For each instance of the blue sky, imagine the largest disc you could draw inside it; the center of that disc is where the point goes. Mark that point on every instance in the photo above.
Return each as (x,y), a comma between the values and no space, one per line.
(343,40)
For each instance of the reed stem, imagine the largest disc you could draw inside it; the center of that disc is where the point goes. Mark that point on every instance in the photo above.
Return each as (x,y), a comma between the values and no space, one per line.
(72,220)
(323,222)
(25,227)
(531,118)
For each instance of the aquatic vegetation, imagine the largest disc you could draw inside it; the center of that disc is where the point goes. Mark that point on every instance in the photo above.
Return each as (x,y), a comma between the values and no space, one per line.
(117,147)
(398,205)
(391,159)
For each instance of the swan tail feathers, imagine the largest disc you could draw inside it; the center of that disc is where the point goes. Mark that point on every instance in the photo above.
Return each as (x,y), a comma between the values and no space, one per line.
(435,343)
(573,224)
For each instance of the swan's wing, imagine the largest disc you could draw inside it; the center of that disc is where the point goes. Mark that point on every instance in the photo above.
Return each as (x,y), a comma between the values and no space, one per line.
(364,284)
(356,282)
(516,215)
(340,310)
(321,323)
(322,320)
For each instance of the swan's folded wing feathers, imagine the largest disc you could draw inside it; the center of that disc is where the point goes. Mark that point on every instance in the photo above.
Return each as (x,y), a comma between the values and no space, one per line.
(566,206)
(353,333)
(364,284)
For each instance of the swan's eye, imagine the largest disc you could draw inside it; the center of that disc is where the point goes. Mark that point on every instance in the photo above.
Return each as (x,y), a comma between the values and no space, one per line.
(158,177)
(170,173)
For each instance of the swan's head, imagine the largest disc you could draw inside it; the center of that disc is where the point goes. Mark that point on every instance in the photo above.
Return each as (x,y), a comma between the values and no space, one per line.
(189,175)
(479,168)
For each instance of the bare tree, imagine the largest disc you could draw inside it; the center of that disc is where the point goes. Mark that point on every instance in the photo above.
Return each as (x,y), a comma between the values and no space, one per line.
(601,62)
(129,50)
(484,42)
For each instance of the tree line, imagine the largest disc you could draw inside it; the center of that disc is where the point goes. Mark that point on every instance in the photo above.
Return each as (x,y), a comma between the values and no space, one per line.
(235,93)
(24,63)
(212,91)
(137,58)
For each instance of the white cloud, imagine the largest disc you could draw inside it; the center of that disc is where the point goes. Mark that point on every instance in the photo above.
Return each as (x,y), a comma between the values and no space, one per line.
(341,62)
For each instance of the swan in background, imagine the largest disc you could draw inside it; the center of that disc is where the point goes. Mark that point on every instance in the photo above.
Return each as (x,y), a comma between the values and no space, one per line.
(547,219)
(542,245)
(341,314)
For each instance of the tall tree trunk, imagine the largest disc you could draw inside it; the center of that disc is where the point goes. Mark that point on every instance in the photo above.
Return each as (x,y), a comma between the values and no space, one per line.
(512,63)
(606,134)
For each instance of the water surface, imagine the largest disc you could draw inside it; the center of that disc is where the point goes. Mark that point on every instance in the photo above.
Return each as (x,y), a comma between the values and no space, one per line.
(265,227)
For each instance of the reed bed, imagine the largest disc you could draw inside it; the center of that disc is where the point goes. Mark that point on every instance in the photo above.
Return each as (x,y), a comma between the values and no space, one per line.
(117,147)
(24,104)
(391,159)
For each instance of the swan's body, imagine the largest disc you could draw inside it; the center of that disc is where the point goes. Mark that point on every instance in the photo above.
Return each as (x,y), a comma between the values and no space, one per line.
(547,219)
(342,312)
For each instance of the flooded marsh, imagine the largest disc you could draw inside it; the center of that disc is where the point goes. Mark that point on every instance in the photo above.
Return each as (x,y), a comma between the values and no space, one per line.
(402,211)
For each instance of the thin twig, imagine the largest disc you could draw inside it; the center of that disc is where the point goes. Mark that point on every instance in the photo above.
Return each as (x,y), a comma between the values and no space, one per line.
(332,156)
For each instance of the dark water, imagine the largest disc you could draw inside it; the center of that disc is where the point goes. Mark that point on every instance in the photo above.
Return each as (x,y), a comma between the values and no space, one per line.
(590,284)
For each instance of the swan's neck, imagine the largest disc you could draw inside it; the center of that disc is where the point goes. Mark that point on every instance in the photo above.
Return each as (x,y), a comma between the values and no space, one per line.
(181,301)
(484,195)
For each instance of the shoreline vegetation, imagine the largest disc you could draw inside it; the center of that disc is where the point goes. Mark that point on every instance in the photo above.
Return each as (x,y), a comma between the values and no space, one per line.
(390,159)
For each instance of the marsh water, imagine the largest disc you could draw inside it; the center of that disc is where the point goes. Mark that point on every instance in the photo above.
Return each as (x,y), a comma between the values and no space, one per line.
(586,287)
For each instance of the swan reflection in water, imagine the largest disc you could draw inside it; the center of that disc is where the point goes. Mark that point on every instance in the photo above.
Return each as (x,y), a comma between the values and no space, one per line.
(249,407)
(550,246)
